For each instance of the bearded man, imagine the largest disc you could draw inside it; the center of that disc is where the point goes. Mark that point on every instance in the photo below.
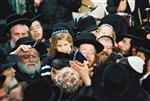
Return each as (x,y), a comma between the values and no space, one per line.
(28,68)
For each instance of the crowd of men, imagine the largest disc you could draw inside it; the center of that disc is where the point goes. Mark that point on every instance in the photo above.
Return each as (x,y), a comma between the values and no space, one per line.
(46,54)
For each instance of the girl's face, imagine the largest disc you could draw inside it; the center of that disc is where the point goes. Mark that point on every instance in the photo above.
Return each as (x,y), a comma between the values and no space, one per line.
(36,30)
(63,45)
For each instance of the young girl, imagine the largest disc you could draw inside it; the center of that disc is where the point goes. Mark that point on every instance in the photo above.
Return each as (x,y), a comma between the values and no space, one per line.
(61,41)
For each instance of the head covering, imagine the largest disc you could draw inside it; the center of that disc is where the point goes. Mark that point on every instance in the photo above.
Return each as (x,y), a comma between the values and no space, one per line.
(7,61)
(136,63)
(41,90)
(131,33)
(119,24)
(143,45)
(34,17)
(15,19)
(61,27)
(68,79)
(60,60)
(88,38)
(35,44)
(114,82)
(87,23)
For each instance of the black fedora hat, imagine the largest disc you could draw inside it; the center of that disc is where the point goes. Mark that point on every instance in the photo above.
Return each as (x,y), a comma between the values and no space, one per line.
(119,24)
(34,17)
(60,60)
(7,61)
(114,82)
(42,90)
(87,37)
(87,23)
(41,47)
(132,33)
(143,45)
(16,19)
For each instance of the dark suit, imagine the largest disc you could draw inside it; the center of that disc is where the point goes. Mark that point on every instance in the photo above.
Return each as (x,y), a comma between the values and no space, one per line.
(112,6)
(142,4)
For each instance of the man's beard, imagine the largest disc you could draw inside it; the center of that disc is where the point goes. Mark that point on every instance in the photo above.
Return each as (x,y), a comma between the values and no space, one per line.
(12,44)
(29,71)
(12,83)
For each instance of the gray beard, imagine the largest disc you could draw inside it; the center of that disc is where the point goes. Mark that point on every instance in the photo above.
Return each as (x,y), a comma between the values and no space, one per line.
(12,44)
(12,83)
(30,72)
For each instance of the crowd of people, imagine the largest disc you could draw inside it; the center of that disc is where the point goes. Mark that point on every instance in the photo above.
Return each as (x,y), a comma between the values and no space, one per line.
(48,55)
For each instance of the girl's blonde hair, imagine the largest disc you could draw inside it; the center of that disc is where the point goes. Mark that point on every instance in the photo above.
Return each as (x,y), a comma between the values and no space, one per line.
(55,38)
(108,25)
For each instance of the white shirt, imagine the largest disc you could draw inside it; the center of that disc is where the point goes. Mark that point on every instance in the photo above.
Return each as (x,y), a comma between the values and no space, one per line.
(131,4)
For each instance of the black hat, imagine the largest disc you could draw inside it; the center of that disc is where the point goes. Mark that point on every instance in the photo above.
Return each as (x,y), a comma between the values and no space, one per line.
(131,33)
(16,19)
(60,60)
(41,47)
(114,82)
(119,24)
(34,17)
(42,90)
(87,23)
(143,45)
(62,27)
(7,61)
(2,79)
(86,37)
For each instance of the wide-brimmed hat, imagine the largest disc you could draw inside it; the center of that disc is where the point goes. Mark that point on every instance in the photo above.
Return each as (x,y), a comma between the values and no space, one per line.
(119,24)
(89,38)
(34,17)
(87,23)
(42,90)
(16,19)
(7,61)
(38,45)
(114,82)
(60,60)
(131,33)
(143,45)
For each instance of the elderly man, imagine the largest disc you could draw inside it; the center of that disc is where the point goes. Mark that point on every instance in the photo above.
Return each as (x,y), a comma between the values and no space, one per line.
(16,28)
(28,68)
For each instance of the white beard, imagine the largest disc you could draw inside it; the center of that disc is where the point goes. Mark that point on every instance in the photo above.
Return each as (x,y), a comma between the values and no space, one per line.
(30,72)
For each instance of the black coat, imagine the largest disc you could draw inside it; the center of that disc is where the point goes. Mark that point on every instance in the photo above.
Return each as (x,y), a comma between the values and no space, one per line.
(5,9)
(112,6)
(146,84)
